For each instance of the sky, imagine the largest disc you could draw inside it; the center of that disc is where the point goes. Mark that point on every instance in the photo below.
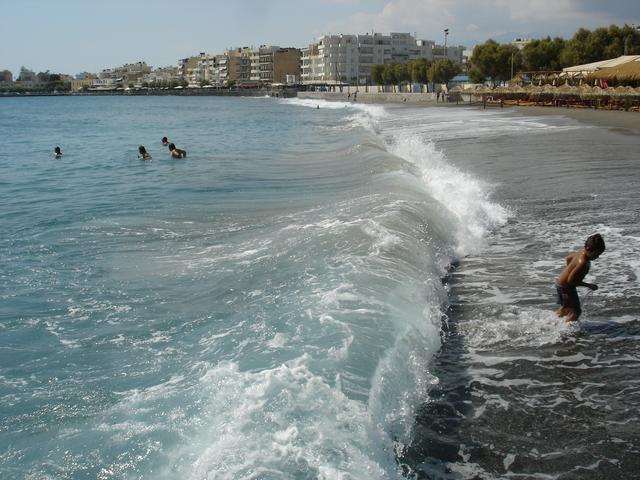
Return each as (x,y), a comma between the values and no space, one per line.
(73,36)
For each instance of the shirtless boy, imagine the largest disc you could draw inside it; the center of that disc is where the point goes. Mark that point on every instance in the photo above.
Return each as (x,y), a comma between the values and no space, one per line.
(572,276)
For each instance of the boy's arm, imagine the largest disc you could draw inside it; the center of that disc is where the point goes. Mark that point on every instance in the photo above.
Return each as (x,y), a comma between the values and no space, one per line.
(577,272)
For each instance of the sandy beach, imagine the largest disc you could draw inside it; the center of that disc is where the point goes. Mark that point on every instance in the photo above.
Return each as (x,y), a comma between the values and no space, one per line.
(615,119)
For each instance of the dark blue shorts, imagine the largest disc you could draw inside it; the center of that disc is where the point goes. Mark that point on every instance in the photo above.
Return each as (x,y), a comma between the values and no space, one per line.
(568,298)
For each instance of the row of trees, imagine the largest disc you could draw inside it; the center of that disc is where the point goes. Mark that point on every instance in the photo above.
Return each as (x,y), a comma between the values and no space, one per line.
(42,82)
(497,62)
(417,71)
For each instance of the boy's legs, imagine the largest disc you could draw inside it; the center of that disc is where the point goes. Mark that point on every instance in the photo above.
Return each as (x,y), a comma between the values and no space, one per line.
(570,303)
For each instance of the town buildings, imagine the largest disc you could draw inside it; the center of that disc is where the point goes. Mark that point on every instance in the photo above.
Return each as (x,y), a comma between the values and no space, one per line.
(162,76)
(266,64)
(6,76)
(128,75)
(343,58)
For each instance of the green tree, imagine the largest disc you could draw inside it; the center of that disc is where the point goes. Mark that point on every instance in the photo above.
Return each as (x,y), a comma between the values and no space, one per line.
(389,74)
(420,70)
(441,71)
(402,72)
(377,72)
(496,61)
(543,54)
(475,76)
(601,44)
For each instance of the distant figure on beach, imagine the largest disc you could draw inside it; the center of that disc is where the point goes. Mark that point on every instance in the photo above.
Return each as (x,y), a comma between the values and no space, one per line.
(176,152)
(143,154)
(317,107)
(165,142)
(355,96)
(577,267)
(57,152)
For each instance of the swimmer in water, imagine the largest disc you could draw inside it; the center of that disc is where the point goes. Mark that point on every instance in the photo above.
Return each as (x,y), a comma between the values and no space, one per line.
(143,154)
(176,152)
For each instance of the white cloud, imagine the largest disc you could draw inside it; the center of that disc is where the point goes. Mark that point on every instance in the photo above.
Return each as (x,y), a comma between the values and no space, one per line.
(479,18)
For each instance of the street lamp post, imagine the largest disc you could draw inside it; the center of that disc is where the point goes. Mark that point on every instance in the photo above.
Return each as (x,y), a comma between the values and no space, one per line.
(446,33)
(512,65)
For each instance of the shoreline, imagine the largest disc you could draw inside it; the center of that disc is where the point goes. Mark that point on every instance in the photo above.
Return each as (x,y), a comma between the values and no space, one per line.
(613,119)
(629,122)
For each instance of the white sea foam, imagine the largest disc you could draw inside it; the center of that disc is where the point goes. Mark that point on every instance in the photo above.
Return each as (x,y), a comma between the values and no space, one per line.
(281,422)
(466,197)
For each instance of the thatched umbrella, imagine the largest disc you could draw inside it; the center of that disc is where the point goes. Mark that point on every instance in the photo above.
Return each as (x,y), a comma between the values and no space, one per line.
(627,92)
(627,72)
(585,91)
(535,92)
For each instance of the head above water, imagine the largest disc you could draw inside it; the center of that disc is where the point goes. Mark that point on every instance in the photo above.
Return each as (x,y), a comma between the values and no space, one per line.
(165,140)
(142,150)
(57,151)
(594,245)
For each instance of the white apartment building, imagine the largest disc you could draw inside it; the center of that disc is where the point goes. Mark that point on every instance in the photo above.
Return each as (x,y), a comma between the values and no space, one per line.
(163,75)
(205,69)
(349,58)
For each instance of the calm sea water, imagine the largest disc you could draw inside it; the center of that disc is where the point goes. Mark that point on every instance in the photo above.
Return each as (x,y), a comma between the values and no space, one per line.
(345,292)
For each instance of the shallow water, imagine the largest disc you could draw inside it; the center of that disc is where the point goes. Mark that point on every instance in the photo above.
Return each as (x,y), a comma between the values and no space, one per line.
(523,394)
(282,304)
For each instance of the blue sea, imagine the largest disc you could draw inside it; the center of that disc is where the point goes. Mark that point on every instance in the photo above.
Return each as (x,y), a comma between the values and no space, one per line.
(344,292)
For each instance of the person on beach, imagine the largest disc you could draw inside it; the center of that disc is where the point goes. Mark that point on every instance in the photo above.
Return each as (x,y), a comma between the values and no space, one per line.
(165,142)
(143,154)
(176,152)
(577,267)
(57,152)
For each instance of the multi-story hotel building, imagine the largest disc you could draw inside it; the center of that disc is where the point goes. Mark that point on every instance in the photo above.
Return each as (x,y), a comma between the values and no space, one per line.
(262,65)
(205,69)
(349,58)
(238,65)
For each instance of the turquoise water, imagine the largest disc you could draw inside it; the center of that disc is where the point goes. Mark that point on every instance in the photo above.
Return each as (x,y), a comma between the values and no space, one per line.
(263,308)
(268,307)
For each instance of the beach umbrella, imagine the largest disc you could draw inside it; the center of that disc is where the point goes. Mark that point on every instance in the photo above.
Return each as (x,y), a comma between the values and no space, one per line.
(626,92)
(627,72)
(585,91)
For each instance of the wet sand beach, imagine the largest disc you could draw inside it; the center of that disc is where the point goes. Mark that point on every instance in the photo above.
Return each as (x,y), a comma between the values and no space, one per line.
(615,119)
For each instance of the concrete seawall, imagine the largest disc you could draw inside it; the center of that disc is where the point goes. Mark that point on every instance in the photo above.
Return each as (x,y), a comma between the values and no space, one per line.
(362,97)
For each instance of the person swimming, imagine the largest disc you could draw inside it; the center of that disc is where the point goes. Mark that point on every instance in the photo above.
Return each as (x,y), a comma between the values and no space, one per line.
(176,152)
(165,141)
(143,154)
(57,152)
